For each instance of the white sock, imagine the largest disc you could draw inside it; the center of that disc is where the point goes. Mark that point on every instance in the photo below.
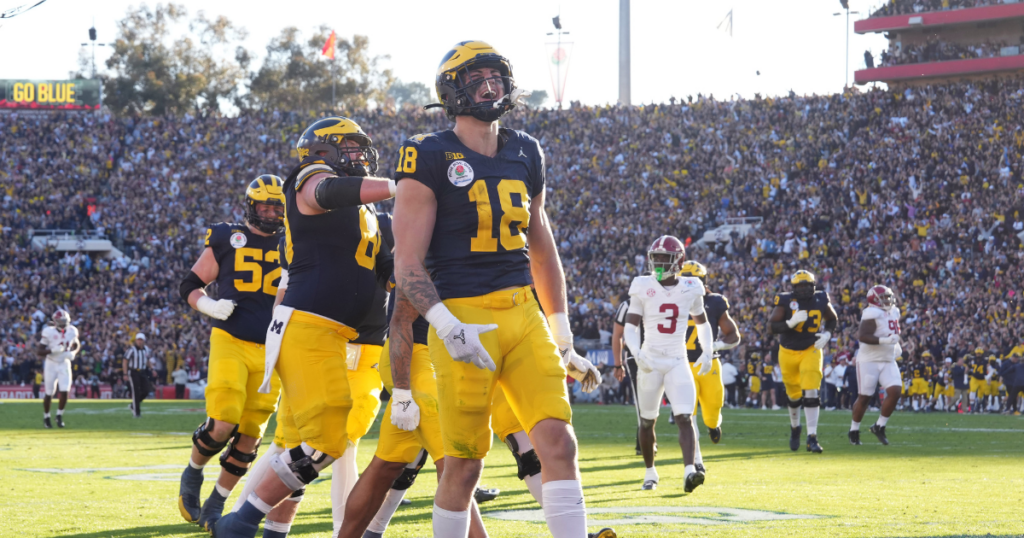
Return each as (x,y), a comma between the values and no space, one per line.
(195,465)
(689,470)
(46,415)
(854,426)
(812,419)
(277,526)
(882,420)
(386,511)
(651,474)
(255,474)
(564,509)
(345,475)
(451,524)
(697,458)
(60,412)
(916,407)
(794,416)
(224,492)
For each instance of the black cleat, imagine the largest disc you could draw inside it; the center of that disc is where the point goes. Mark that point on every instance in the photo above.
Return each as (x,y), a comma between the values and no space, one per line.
(483,495)
(188,494)
(649,485)
(60,421)
(47,423)
(854,437)
(812,444)
(879,432)
(692,481)
(603,533)
(212,510)
(715,434)
(794,438)
(700,467)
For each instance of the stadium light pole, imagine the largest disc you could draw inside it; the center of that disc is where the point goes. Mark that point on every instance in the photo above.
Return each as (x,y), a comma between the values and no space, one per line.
(557,21)
(92,38)
(624,68)
(846,6)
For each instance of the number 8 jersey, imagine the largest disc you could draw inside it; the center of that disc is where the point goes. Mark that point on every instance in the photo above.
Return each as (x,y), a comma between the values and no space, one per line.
(249,274)
(483,209)
(666,312)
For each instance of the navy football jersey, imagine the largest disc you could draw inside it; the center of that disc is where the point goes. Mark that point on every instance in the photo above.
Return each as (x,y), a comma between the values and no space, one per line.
(715,305)
(483,209)
(249,275)
(333,258)
(804,334)
(374,328)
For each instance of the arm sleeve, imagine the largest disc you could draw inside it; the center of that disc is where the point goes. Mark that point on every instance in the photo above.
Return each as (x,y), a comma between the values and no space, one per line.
(697,307)
(705,336)
(631,334)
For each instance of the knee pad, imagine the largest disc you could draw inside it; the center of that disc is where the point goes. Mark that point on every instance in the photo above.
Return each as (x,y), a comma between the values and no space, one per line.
(408,477)
(796,403)
(811,402)
(812,393)
(212,447)
(233,452)
(296,495)
(527,462)
(299,466)
(647,422)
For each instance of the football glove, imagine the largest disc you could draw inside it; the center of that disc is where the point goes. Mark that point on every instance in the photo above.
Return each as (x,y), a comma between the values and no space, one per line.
(221,309)
(642,364)
(822,339)
(404,412)
(799,317)
(462,340)
(581,369)
(889,340)
(705,363)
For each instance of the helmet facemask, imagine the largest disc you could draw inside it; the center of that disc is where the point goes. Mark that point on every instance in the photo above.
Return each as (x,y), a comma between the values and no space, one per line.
(483,90)
(664,265)
(267,223)
(351,154)
(803,290)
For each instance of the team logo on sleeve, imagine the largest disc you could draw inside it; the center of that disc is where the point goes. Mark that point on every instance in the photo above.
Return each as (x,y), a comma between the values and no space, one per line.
(460,173)
(238,240)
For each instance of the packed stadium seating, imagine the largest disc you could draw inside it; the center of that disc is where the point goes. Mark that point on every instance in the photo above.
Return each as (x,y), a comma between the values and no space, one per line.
(909,7)
(920,190)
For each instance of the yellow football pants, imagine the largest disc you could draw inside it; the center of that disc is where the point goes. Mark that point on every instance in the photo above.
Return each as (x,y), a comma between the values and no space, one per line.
(801,370)
(710,393)
(235,372)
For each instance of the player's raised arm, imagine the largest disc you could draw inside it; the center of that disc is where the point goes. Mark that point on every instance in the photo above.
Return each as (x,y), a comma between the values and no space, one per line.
(326,190)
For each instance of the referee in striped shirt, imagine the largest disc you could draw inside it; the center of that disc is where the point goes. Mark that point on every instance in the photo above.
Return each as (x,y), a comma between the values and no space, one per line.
(625,363)
(136,368)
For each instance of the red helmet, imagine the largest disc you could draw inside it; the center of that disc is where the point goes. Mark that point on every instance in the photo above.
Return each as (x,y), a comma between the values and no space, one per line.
(666,257)
(882,297)
(61,318)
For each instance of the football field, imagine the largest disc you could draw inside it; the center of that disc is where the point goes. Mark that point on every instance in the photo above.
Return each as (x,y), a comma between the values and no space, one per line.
(109,475)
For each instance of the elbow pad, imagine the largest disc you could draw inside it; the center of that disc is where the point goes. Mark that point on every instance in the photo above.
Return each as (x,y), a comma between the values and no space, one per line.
(335,192)
(631,334)
(191,283)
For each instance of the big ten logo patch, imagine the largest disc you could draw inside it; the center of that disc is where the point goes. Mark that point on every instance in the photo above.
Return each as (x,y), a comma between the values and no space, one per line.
(450,156)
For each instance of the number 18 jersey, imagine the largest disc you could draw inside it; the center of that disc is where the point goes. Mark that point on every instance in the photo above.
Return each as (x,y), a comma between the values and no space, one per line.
(483,209)
(666,312)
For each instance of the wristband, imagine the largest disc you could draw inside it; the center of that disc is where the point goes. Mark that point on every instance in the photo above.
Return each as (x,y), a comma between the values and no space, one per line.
(392,187)
(560,330)
(441,318)
(401,394)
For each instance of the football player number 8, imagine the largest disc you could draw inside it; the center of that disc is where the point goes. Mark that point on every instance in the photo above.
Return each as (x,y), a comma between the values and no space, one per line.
(510,213)
(259,280)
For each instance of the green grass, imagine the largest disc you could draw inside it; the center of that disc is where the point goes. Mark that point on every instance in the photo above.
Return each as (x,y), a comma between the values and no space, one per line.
(943,475)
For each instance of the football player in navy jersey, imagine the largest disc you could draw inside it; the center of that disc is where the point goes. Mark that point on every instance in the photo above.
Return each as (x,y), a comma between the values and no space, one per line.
(243,259)
(471,237)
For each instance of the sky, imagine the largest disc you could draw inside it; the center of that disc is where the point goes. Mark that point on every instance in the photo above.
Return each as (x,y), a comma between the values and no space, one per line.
(677,49)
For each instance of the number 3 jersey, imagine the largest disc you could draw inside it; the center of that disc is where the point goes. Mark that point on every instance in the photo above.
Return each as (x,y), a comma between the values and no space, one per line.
(249,275)
(666,312)
(887,323)
(483,209)
(804,334)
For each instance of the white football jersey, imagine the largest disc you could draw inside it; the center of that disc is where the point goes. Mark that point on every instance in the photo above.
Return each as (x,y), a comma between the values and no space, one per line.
(666,312)
(887,323)
(52,335)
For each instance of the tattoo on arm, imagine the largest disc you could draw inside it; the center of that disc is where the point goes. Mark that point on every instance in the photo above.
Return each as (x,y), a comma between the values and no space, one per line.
(417,287)
(400,341)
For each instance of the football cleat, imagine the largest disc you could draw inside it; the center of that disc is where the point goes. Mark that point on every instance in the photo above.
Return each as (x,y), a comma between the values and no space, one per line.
(47,423)
(879,432)
(212,510)
(715,434)
(649,485)
(371,534)
(483,495)
(230,526)
(794,438)
(700,467)
(692,481)
(405,502)
(188,493)
(812,444)
(854,437)
(603,533)
(60,421)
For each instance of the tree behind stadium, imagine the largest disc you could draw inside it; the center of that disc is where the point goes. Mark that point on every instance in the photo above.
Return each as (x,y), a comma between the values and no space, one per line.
(196,71)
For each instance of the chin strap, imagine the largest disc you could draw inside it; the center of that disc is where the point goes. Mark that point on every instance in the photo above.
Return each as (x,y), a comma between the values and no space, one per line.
(513,98)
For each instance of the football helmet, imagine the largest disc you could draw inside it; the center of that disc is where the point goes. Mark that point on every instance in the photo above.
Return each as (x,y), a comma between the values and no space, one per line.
(694,269)
(979,351)
(61,318)
(666,257)
(803,284)
(882,297)
(458,91)
(266,189)
(330,139)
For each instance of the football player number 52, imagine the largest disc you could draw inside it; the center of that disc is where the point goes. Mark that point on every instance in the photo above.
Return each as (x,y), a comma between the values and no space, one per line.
(257,279)
(510,213)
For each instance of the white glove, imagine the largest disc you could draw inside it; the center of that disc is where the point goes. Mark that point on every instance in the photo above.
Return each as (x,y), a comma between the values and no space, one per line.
(822,339)
(582,370)
(705,363)
(889,340)
(462,340)
(719,346)
(799,317)
(215,309)
(642,364)
(404,412)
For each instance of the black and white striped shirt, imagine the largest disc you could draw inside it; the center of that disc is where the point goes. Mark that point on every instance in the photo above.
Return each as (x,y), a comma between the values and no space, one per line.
(138,358)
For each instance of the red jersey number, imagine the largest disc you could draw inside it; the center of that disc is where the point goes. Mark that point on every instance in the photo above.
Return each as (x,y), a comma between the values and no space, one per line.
(672,318)
(894,326)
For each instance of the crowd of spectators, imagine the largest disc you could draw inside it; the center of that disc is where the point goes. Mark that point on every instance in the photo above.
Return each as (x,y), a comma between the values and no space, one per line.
(911,7)
(936,50)
(920,190)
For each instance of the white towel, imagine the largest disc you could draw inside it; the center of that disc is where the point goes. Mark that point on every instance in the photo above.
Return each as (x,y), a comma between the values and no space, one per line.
(275,333)
(352,353)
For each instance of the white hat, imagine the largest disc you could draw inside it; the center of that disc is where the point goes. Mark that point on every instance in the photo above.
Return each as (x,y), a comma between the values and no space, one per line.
(140,336)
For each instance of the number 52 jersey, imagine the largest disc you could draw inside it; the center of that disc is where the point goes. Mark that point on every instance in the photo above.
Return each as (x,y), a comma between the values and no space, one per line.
(249,274)
(483,209)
